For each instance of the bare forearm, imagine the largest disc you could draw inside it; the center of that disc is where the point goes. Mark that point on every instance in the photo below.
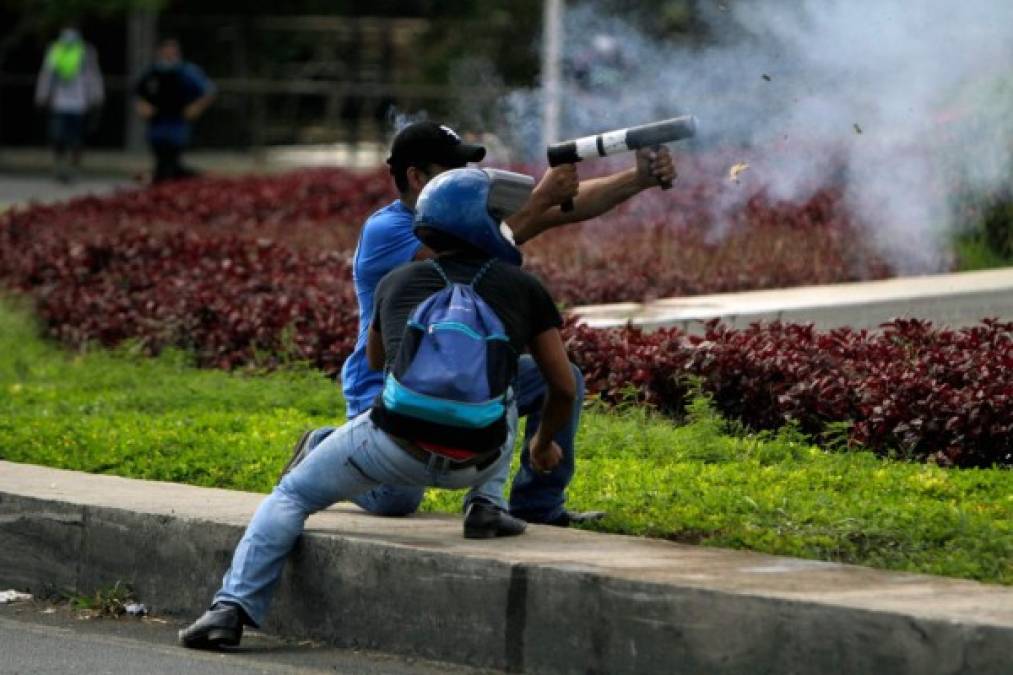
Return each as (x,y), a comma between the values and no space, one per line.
(561,387)
(558,185)
(599,195)
(556,412)
(596,196)
(197,108)
(145,109)
(528,221)
(653,166)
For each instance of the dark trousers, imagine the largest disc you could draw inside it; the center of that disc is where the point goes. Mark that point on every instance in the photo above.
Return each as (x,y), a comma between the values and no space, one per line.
(66,133)
(168,163)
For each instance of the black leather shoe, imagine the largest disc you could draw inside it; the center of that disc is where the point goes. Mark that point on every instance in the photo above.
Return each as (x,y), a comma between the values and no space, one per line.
(298,454)
(220,626)
(568,518)
(483,520)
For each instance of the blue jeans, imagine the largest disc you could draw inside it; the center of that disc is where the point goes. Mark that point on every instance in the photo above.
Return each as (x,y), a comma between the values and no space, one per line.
(350,461)
(534,497)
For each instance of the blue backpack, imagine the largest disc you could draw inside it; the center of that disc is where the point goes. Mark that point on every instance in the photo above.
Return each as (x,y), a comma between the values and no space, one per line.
(449,382)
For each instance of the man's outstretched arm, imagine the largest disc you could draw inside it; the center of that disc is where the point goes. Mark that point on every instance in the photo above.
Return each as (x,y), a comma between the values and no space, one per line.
(595,196)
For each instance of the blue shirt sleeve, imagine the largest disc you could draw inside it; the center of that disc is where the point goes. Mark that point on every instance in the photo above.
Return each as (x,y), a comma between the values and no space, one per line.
(387,242)
(197,83)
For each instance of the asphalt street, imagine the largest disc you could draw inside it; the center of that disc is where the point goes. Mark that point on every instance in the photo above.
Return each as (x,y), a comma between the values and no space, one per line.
(16,189)
(38,638)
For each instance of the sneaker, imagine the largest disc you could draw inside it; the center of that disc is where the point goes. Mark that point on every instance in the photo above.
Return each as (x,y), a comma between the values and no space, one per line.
(299,452)
(220,626)
(483,520)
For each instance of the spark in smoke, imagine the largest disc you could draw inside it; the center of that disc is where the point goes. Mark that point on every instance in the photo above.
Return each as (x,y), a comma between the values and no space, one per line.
(736,170)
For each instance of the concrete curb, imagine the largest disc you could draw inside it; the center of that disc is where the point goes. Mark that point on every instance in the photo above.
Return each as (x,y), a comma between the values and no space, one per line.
(551,601)
(958,299)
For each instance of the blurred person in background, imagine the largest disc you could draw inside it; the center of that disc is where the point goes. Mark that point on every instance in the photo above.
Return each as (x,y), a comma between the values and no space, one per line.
(69,87)
(171,95)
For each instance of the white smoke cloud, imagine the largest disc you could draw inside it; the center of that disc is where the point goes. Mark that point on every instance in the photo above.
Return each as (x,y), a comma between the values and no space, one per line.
(399,119)
(896,99)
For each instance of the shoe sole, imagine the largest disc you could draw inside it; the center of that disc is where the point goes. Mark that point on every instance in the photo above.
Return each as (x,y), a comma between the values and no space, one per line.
(588,517)
(213,639)
(482,533)
(581,518)
(223,638)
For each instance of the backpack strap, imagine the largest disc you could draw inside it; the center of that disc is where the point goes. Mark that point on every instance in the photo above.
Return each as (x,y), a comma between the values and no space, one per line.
(439,270)
(478,275)
(481,272)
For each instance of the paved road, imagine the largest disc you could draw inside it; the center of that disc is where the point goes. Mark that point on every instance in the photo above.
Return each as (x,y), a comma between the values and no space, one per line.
(15,189)
(43,639)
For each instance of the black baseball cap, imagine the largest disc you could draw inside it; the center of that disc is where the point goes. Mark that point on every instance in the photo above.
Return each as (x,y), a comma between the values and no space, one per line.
(432,143)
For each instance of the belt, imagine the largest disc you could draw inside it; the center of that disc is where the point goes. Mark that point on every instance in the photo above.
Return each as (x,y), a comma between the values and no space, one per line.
(479,461)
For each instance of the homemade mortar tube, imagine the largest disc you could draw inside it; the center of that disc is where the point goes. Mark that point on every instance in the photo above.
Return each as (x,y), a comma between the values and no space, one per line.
(621,140)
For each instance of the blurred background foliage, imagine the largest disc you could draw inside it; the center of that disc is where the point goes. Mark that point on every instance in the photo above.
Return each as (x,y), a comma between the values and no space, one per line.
(326,71)
(306,71)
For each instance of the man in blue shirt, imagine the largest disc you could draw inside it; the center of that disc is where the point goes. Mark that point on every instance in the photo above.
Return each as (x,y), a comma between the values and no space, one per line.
(171,95)
(419,152)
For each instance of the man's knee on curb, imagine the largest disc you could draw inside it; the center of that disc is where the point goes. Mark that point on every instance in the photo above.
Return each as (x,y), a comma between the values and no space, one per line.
(391,500)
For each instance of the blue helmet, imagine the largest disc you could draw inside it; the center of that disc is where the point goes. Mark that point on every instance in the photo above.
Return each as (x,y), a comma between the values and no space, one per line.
(457,202)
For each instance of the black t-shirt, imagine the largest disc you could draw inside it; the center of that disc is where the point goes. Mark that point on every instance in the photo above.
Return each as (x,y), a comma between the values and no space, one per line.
(518,299)
(171,90)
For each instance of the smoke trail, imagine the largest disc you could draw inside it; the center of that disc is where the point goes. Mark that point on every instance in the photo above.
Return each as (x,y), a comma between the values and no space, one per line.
(895,100)
(398,119)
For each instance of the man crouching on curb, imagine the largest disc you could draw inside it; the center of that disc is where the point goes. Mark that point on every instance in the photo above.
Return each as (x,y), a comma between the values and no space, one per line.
(447,332)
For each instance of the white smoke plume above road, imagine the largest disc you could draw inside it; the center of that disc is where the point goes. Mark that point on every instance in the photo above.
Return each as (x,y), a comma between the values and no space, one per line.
(894,100)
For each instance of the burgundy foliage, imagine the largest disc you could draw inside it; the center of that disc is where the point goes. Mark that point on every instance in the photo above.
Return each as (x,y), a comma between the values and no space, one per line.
(704,237)
(230,300)
(256,269)
(237,270)
(945,395)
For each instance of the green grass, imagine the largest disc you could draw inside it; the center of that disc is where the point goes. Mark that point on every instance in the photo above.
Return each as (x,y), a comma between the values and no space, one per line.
(117,413)
(973,253)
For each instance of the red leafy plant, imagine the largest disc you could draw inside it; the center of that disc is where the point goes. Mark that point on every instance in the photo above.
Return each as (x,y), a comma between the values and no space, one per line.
(909,389)
(256,270)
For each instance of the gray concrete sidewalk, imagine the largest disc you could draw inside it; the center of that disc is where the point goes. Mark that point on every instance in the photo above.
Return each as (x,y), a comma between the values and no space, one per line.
(552,601)
(953,299)
(25,173)
(106,163)
(22,189)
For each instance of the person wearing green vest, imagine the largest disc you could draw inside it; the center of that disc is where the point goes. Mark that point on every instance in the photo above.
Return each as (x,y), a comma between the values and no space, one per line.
(68,87)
